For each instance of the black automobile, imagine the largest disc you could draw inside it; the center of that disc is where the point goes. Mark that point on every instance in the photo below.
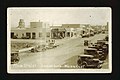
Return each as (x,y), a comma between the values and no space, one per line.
(14,57)
(40,48)
(86,42)
(106,38)
(97,54)
(92,45)
(85,35)
(88,61)
(51,44)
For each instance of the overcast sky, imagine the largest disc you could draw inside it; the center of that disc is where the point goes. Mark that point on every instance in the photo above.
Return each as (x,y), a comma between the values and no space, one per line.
(57,16)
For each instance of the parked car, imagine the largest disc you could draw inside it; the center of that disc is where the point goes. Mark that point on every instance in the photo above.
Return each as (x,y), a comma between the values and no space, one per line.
(40,48)
(92,45)
(102,43)
(86,42)
(50,44)
(92,34)
(85,35)
(106,38)
(88,61)
(97,54)
(14,57)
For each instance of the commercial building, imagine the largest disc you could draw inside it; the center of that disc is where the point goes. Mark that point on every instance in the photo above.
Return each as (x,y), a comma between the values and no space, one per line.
(57,32)
(35,31)
(75,30)
(67,30)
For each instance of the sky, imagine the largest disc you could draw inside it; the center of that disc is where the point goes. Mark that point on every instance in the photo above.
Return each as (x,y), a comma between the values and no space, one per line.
(58,16)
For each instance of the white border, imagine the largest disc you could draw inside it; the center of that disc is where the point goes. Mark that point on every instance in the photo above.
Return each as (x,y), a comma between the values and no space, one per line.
(58,70)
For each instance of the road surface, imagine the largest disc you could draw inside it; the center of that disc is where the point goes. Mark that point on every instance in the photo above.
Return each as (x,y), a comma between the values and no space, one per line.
(62,57)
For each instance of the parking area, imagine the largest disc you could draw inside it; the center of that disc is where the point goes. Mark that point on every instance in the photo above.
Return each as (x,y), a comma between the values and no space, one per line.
(64,56)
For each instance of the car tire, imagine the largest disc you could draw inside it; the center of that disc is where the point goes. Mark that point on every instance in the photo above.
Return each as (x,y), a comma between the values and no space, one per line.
(83,65)
(99,66)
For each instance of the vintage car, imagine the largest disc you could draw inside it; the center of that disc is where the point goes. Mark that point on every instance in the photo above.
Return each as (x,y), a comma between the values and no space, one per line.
(97,54)
(105,49)
(92,34)
(106,38)
(50,44)
(88,61)
(86,42)
(92,45)
(14,57)
(38,48)
(85,35)
(103,32)
(102,42)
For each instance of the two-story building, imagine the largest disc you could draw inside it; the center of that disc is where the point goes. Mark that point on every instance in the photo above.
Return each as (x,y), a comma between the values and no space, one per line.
(35,31)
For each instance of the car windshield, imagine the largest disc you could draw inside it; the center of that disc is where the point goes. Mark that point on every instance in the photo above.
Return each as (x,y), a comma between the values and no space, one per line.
(90,51)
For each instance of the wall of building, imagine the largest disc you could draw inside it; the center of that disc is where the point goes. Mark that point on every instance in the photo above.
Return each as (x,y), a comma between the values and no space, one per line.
(22,32)
(36,24)
(36,30)
(70,25)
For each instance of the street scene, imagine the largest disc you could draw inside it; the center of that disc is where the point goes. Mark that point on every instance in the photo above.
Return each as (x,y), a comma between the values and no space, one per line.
(79,43)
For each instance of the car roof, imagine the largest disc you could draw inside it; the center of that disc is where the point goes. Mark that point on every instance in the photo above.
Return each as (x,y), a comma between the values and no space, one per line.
(90,49)
(14,52)
(99,51)
(106,42)
(101,41)
(86,56)
(96,59)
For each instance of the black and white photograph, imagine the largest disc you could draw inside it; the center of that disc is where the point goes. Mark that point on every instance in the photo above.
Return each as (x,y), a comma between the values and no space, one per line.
(59,40)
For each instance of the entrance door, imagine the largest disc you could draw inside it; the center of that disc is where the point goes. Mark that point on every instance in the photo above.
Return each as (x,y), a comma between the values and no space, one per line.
(28,35)
(68,34)
(33,35)
(12,35)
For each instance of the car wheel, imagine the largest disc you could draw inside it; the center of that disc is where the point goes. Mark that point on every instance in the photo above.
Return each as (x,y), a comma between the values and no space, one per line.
(17,60)
(99,66)
(83,65)
(43,50)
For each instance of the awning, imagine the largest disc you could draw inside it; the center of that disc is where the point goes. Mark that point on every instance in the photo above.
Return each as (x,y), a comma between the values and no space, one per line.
(61,29)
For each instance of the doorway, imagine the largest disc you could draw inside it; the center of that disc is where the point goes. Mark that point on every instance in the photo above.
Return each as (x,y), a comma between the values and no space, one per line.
(12,34)
(33,35)
(28,35)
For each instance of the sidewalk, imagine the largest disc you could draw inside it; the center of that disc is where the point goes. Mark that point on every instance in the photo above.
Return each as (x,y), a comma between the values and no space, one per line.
(40,41)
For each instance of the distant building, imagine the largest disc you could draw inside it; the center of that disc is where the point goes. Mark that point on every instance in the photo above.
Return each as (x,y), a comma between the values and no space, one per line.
(35,31)
(68,30)
(74,30)
(57,32)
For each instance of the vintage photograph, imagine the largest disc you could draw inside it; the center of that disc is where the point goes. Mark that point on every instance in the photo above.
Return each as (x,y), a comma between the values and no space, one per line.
(59,40)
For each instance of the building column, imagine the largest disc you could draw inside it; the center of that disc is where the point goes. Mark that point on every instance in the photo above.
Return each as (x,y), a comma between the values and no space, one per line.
(65,34)
(50,35)
(70,34)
